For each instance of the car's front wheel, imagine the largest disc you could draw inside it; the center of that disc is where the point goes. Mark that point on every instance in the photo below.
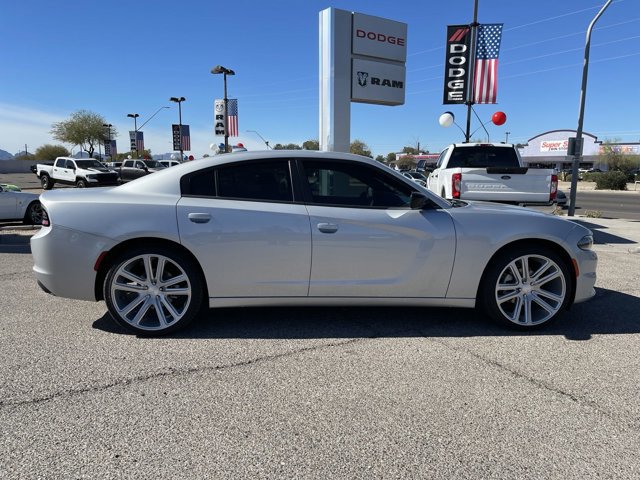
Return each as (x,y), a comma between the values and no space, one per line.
(81,183)
(153,290)
(526,287)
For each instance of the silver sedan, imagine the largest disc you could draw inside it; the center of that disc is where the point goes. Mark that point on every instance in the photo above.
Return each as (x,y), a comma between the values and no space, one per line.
(18,205)
(302,228)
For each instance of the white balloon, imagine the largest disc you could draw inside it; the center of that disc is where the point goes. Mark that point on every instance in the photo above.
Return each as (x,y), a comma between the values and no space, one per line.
(446,119)
(174,156)
(213,147)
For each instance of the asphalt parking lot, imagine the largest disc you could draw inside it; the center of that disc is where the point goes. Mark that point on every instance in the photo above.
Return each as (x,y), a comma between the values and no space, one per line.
(322,392)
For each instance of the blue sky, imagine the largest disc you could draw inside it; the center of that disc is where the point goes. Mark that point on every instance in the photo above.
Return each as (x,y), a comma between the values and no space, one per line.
(121,57)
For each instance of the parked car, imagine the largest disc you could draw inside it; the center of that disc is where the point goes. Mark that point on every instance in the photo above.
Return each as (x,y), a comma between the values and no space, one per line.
(132,169)
(303,228)
(10,187)
(85,172)
(18,205)
(492,172)
(169,163)
(417,177)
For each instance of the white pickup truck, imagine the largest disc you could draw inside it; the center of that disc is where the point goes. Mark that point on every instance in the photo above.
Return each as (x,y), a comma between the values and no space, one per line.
(490,172)
(81,172)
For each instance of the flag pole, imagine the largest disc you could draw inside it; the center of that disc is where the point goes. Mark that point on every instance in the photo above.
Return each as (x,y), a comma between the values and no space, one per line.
(472,62)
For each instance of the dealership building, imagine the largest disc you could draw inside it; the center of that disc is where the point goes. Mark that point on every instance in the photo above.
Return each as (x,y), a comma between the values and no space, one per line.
(549,150)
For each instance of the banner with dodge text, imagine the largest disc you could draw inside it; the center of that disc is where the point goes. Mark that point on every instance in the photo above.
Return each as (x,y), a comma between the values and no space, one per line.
(456,68)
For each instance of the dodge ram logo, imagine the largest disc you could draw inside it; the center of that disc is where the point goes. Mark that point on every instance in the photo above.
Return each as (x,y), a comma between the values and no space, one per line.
(362,78)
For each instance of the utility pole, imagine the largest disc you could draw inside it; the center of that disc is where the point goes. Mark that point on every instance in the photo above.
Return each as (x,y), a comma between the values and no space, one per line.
(577,154)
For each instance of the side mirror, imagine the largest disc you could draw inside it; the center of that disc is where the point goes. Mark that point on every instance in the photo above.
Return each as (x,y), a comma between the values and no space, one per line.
(418,201)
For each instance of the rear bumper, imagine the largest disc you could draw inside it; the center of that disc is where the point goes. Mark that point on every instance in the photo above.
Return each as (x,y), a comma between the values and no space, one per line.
(63,262)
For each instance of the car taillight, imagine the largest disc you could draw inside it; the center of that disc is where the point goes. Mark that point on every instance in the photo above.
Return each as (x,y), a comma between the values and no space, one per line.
(45,218)
(554,187)
(456,183)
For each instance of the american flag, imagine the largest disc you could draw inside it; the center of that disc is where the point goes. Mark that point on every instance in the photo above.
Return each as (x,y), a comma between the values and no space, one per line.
(232,115)
(485,77)
(186,138)
(139,141)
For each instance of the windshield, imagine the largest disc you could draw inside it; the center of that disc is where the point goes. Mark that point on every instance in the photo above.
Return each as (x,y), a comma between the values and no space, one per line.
(153,164)
(89,164)
(483,156)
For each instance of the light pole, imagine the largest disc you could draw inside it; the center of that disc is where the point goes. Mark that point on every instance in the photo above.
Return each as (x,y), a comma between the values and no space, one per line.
(265,142)
(108,125)
(135,129)
(583,92)
(156,112)
(506,137)
(225,71)
(179,102)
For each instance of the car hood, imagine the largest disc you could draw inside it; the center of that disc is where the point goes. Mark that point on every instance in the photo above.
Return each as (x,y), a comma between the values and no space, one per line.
(512,222)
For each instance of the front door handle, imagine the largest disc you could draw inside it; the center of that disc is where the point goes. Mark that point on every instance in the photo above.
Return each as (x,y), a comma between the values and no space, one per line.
(328,227)
(199,217)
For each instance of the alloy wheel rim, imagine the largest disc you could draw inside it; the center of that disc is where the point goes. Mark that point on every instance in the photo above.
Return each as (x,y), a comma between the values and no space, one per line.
(35,214)
(530,290)
(151,292)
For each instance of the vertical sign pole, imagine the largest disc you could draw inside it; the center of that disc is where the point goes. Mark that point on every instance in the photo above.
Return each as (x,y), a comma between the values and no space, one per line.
(472,64)
(335,80)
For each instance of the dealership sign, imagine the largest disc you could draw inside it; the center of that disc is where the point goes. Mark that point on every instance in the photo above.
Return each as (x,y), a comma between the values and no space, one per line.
(456,68)
(375,82)
(219,120)
(378,55)
(378,37)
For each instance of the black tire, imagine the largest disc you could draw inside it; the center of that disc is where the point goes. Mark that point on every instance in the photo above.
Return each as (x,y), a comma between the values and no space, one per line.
(33,215)
(526,299)
(134,304)
(46,182)
(81,183)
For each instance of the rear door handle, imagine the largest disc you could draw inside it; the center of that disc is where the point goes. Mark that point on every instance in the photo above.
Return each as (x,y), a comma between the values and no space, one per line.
(199,217)
(328,227)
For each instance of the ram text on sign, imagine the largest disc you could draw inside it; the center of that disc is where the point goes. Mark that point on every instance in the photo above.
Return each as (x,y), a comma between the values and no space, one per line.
(378,83)
(379,37)
(456,68)
(219,125)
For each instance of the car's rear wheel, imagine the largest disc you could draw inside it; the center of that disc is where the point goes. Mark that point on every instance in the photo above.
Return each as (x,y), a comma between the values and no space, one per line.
(153,290)
(46,182)
(33,215)
(526,287)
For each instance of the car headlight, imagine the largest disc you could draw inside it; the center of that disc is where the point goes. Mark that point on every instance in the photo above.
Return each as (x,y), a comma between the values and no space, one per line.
(586,242)
(92,176)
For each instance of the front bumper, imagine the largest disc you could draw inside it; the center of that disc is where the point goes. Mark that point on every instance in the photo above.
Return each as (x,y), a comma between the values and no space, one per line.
(587,261)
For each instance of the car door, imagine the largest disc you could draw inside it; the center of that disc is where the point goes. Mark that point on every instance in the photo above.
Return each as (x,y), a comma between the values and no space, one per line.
(250,236)
(8,205)
(367,241)
(64,170)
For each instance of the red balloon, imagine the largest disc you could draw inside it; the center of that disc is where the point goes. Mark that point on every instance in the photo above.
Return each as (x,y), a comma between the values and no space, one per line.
(499,118)
(190,157)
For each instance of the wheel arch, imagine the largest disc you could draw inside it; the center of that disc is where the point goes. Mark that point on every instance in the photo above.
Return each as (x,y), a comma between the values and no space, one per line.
(107,260)
(555,247)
